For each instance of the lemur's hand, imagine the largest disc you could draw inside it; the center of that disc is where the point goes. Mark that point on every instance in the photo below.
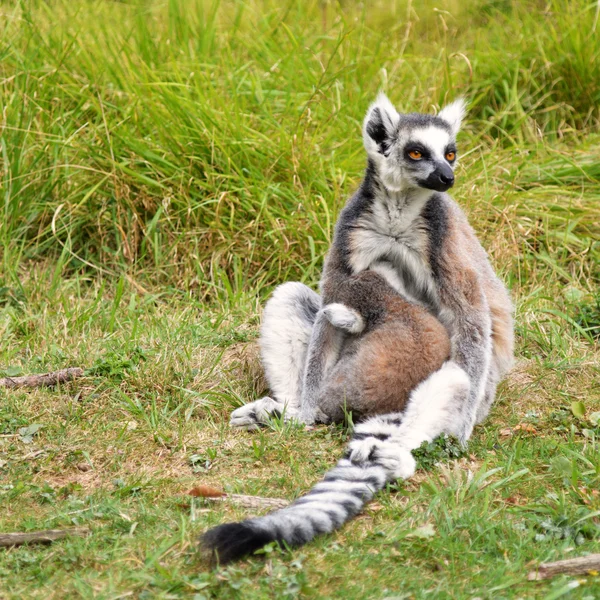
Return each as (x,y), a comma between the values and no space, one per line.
(345,318)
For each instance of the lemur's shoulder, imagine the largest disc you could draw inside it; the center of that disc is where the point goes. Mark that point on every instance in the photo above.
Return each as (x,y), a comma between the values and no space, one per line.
(452,237)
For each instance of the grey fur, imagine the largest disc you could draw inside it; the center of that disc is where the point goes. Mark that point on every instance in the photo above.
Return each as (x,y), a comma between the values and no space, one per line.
(402,227)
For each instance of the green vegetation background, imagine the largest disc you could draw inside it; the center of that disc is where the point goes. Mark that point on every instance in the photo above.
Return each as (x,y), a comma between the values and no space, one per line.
(164,164)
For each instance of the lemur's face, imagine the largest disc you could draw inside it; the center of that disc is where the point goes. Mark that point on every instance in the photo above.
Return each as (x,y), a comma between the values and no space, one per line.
(426,155)
(414,150)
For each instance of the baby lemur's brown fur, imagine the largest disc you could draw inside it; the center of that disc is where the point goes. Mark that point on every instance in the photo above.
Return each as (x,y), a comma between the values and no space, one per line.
(400,345)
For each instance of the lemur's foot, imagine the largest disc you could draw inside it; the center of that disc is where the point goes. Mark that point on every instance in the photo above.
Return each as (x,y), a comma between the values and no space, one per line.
(389,454)
(251,416)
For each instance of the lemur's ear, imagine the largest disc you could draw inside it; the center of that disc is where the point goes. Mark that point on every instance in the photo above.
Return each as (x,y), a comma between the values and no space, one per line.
(454,113)
(379,125)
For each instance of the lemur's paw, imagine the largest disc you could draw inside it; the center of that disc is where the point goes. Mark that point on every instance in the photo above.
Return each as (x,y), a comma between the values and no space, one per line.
(463,431)
(251,416)
(398,460)
(388,454)
(342,317)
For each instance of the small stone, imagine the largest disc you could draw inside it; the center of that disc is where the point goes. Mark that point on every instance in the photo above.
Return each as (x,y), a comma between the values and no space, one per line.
(84,466)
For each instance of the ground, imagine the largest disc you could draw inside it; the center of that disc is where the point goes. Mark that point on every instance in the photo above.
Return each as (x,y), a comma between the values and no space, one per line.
(163,168)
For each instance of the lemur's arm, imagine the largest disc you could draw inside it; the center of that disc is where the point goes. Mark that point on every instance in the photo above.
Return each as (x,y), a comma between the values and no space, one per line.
(359,301)
(466,315)
(327,336)
(351,304)
(323,352)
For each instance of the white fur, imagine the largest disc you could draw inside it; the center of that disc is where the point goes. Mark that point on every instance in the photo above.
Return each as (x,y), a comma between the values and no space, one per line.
(344,318)
(453,114)
(398,461)
(390,454)
(390,241)
(370,247)
(256,413)
(434,138)
(338,486)
(284,341)
(434,406)
(390,119)
(354,474)
(335,498)
(390,275)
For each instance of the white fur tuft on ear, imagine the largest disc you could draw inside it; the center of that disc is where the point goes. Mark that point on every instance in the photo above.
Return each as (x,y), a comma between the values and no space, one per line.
(454,113)
(379,124)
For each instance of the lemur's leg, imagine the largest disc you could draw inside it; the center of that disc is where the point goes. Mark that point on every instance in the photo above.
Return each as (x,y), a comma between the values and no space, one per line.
(472,351)
(323,353)
(434,407)
(287,324)
(467,317)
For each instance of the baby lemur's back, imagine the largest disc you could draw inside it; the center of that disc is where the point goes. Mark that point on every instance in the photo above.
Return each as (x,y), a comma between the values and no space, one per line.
(396,345)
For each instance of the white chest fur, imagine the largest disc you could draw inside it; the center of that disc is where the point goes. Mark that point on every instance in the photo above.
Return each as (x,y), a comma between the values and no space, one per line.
(392,240)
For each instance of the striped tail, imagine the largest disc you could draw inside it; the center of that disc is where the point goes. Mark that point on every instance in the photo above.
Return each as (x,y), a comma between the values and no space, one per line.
(378,453)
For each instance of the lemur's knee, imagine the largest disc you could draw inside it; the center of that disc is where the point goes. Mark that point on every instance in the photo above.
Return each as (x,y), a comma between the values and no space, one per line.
(293,299)
(345,318)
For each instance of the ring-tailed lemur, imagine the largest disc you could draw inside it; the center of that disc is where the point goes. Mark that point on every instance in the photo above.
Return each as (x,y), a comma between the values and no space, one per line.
(402,225)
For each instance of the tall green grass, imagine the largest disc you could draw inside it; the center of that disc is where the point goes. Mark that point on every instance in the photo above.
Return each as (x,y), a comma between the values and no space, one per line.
(211,145)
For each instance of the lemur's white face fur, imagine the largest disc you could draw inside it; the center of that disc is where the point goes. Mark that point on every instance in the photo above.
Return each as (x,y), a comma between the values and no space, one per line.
(413,150)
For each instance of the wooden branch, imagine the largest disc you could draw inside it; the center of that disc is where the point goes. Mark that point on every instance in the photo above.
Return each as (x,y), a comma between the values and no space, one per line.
(251,501)
(43,379)
(216,495)
(581,565)
(40,537)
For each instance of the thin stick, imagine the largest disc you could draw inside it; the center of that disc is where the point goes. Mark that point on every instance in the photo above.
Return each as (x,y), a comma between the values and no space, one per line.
(43,379)
(40,537)
(251,501)
(581,565)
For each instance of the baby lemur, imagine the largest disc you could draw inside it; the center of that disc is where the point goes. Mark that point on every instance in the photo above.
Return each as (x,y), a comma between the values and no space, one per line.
(321,353)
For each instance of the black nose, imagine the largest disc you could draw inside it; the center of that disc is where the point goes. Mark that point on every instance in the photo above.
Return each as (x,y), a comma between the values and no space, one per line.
(447,178)
(440,180)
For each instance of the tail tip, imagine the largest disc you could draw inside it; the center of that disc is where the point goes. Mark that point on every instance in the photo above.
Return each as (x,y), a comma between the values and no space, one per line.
(232,541)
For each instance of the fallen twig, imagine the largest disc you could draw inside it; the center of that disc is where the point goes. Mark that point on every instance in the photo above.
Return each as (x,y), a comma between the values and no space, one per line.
(581,565)
(43,379)
(215,495)
(252,501)
(41,537)
(31,455)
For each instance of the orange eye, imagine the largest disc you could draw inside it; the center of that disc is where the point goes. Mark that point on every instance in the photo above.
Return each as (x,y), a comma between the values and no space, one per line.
(415,155)
(450,156)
